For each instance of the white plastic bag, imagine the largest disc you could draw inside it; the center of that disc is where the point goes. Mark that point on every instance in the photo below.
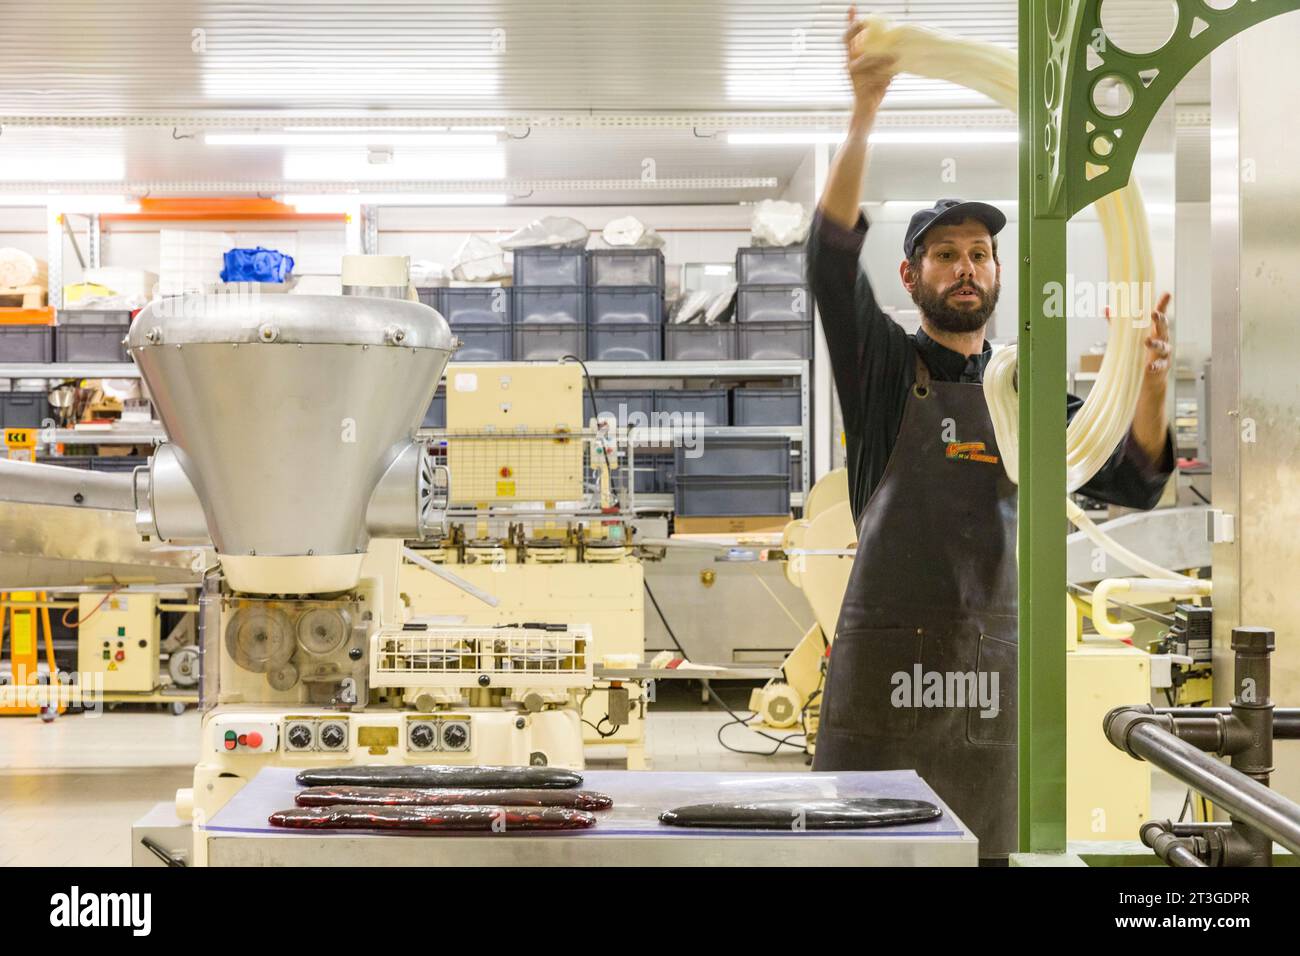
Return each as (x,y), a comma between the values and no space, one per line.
(630,232)
(551,231)
(720,305)
(692,305)
(426,274)
(780,223)
(479,260)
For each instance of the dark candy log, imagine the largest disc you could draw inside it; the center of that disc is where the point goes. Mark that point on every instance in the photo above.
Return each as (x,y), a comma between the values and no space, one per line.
(497,819)
(447,796)
(850,813)
(513,778)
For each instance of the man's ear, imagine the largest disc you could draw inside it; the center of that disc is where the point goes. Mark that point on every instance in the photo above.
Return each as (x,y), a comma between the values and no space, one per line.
(907,275)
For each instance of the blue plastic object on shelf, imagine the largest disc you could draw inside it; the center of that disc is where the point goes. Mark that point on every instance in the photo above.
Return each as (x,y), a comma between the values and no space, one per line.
(256,265)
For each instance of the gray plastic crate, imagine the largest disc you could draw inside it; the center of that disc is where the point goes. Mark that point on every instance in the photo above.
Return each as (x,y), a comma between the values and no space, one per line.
(731,496)
(483,343)
(710,403)
(478,306)
(773,303)
(555,267)
(623,306)
(94,317)
(665,473)
(117,463)
(66,461)
(766,406)
(23,409)
(699,343)
(626,406)
(430,296)
(775,340)
(625,343)
(91,343)
(26,343)
(436,415)
(626,267)
(541,343)
(550,306)
(796,473)
(771,265)
(768,456)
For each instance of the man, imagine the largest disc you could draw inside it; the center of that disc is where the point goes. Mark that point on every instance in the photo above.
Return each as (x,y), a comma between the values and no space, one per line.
(933,586)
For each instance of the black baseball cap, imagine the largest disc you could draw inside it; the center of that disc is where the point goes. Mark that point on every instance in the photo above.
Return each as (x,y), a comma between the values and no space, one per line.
(948,211)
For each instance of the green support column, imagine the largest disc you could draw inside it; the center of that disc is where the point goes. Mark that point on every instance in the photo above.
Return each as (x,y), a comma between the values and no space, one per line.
(1042,468)
(1065,56)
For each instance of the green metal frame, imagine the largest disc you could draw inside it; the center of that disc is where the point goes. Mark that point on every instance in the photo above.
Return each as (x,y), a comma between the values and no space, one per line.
(1072,154)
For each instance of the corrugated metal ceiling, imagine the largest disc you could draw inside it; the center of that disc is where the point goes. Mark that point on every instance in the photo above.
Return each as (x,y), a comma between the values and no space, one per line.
(114,56)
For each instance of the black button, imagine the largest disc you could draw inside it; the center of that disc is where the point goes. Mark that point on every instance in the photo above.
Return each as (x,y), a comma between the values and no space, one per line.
(143,642)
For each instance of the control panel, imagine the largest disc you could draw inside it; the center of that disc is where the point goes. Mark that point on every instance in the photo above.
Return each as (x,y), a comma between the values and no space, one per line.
(446,733)
(117,637)
(231,735)
(317,734)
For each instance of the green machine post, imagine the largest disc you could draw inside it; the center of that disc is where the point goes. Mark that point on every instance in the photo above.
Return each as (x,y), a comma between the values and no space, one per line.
(1085,105)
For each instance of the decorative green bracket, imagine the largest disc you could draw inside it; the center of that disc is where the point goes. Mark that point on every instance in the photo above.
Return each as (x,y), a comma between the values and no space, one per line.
(1085,105)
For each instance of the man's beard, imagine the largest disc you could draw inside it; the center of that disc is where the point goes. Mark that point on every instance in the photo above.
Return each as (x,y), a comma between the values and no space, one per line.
(934,306)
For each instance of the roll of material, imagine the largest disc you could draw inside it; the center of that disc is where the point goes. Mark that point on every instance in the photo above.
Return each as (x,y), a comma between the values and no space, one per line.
(18,268)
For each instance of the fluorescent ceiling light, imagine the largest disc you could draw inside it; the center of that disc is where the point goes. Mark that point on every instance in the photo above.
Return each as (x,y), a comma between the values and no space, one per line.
(420,165)
(67,202)
(321,202)
(915,137)
(368,138)
(393,129)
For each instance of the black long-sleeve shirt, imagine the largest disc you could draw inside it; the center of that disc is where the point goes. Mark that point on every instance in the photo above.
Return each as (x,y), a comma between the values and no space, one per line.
(872,361)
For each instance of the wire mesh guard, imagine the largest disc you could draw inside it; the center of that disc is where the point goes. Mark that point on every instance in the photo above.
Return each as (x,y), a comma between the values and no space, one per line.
(535,470)
(461,656)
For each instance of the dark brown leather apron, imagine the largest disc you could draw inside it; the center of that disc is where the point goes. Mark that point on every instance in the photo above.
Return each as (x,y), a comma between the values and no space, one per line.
(929,617)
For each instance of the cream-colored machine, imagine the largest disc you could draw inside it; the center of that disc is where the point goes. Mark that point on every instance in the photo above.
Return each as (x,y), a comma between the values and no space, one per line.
(292,449)
(534,519)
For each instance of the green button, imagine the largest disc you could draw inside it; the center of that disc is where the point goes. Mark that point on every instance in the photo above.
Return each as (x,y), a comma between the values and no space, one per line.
(106,655)
(230,735)
(121,632)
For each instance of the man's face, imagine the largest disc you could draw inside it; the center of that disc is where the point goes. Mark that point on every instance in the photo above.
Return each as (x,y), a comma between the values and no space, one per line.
(958,283)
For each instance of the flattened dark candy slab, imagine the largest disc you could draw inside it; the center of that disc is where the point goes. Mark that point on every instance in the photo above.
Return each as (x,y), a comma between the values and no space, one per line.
(850,813)
(512,778)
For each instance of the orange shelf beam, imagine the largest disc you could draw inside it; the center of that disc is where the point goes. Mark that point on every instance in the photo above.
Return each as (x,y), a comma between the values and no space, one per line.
(10,316)
(217,209)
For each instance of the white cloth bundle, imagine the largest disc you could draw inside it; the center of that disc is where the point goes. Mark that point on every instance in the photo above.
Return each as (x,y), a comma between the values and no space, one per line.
(549,231)
(18,268)
(630,232)
(479,260)
(779,223)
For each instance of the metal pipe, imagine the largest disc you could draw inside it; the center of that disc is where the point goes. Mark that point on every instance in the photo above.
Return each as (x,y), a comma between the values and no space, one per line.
(1175,850)
(1140,735)
(30,483)
(1286,720)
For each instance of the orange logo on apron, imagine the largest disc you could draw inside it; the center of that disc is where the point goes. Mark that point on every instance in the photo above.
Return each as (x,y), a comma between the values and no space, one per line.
(969,451)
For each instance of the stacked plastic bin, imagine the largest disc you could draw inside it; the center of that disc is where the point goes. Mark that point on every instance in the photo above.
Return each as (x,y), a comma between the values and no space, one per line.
(480,317)
(773,305)
(625,305)
(550,304)
(91,335)
(733,477)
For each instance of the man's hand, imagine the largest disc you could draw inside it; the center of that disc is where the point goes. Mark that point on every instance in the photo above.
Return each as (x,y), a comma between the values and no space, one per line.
(870,74)
(1150,421)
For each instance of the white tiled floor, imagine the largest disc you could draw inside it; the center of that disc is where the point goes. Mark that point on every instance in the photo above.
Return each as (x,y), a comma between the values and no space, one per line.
(69,791)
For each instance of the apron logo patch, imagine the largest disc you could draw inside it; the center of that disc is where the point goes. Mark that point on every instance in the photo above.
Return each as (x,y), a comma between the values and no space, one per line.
(969,451)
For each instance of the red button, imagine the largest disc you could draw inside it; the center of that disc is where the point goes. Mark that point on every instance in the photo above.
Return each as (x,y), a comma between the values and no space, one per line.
(243,739)
(120,655)
(255,739)
(230,745)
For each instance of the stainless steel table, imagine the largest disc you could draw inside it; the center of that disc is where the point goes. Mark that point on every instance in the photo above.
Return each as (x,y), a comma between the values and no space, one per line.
(627,835)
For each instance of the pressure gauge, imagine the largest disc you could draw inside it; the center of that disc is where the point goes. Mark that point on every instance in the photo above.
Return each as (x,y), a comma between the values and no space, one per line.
(422,736)
(455,735)
(333,736)
(299,736)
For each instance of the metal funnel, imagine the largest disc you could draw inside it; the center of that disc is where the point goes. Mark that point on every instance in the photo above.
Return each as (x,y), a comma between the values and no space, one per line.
(284,412)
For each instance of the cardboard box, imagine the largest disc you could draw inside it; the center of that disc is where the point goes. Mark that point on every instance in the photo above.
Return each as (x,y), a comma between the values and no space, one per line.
(1090,362)
(734,525)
